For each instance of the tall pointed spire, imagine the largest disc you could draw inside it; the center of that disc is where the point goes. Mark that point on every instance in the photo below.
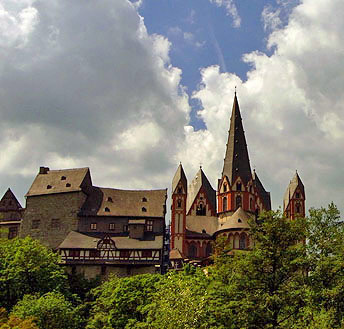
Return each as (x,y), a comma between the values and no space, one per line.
(179,176)
(236,162)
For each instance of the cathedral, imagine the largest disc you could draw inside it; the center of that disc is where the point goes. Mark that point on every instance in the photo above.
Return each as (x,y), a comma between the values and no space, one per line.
(199,213)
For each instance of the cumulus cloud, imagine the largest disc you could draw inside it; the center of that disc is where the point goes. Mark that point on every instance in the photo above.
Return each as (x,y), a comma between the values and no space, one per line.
(292,105)
(231,10)
(84,84)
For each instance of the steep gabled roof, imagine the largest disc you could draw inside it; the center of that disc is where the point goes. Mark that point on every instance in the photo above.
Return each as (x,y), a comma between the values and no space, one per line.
(114,202)
(179,176)
(9,202)
(295,183)
(59,181)
(239,220)
(197,183)
(265,196)
(236,162)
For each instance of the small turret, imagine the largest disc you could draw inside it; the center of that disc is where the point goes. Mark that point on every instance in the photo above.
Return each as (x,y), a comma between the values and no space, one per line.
(294,198)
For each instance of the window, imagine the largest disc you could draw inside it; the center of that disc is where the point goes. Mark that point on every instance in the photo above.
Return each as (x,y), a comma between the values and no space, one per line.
(144,209)
(192,251)
(112,226)
(208,250)
(298,208)
(125,228)
(224,187)
(179,203)
(224,204)
(238,202)
(239,220)
(204,231)
(55,223)
(201,209)
(94,253)
(35,223)
(68,185)
(107,209)
(251,203)
(74,253)
(144,199)
(242,241)
(93,226)
(109,199)
(49,187)
(124,254)
(12,232)
(180,190)
(297,195)
(238,186)
(63,177)
(149,225)
(146,253)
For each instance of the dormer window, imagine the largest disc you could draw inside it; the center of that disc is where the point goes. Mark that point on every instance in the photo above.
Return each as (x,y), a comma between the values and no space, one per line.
(239,220)
(68,185)
(109,199)
(63,178)
(49,187)
(144,209)
(107,209)
(238,186)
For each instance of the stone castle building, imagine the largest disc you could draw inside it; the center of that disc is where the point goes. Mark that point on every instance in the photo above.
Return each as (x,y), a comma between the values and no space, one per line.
(199,213)
(97,231)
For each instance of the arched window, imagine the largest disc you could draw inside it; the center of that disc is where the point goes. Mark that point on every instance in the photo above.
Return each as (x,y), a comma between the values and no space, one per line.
(242,242)
(201,209)
(144,199)
(238,186)
(192,251)
(231,240)
(251,204)
(237,201)
(208,250)
(298,208)
(180,190)
(224,187)
(236,241)
(224,204)
(179,203)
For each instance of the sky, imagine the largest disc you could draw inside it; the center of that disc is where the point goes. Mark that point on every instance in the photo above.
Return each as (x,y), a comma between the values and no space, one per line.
(132,88)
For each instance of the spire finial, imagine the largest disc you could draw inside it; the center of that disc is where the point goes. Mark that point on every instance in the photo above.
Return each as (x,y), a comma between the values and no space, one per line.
(200,165)
(235,90)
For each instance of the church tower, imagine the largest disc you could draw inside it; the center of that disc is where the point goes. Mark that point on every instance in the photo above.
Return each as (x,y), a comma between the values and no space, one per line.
(294,199)
(178,210)
(238,187)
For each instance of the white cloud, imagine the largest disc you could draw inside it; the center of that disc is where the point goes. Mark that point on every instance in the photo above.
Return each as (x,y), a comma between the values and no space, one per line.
(231,10)
(292,105)
(88,86)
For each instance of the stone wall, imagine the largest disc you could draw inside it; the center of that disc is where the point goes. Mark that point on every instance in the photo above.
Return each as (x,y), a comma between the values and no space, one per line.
(49,218)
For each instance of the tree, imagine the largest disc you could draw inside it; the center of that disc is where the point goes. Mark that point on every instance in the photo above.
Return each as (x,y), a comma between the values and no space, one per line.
(120,302)
(265,287)
(27,267)
(51,311)
(14,322)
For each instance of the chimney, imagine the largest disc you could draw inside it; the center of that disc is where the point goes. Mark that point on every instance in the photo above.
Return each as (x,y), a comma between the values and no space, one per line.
(43,170)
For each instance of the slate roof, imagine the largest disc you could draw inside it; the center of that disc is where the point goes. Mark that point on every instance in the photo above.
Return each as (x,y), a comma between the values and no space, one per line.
(236,162)
(293,185)
(179,176)
(266,199)
(239,220)
(200,223)
(77,240)
(134,203)
(53,182)
(197,183)
(9,202)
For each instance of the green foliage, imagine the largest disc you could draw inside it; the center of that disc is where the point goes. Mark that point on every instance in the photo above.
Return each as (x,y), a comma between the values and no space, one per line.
(51,311)
(179,302)
(120,302)
(27,267)
(14,322)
